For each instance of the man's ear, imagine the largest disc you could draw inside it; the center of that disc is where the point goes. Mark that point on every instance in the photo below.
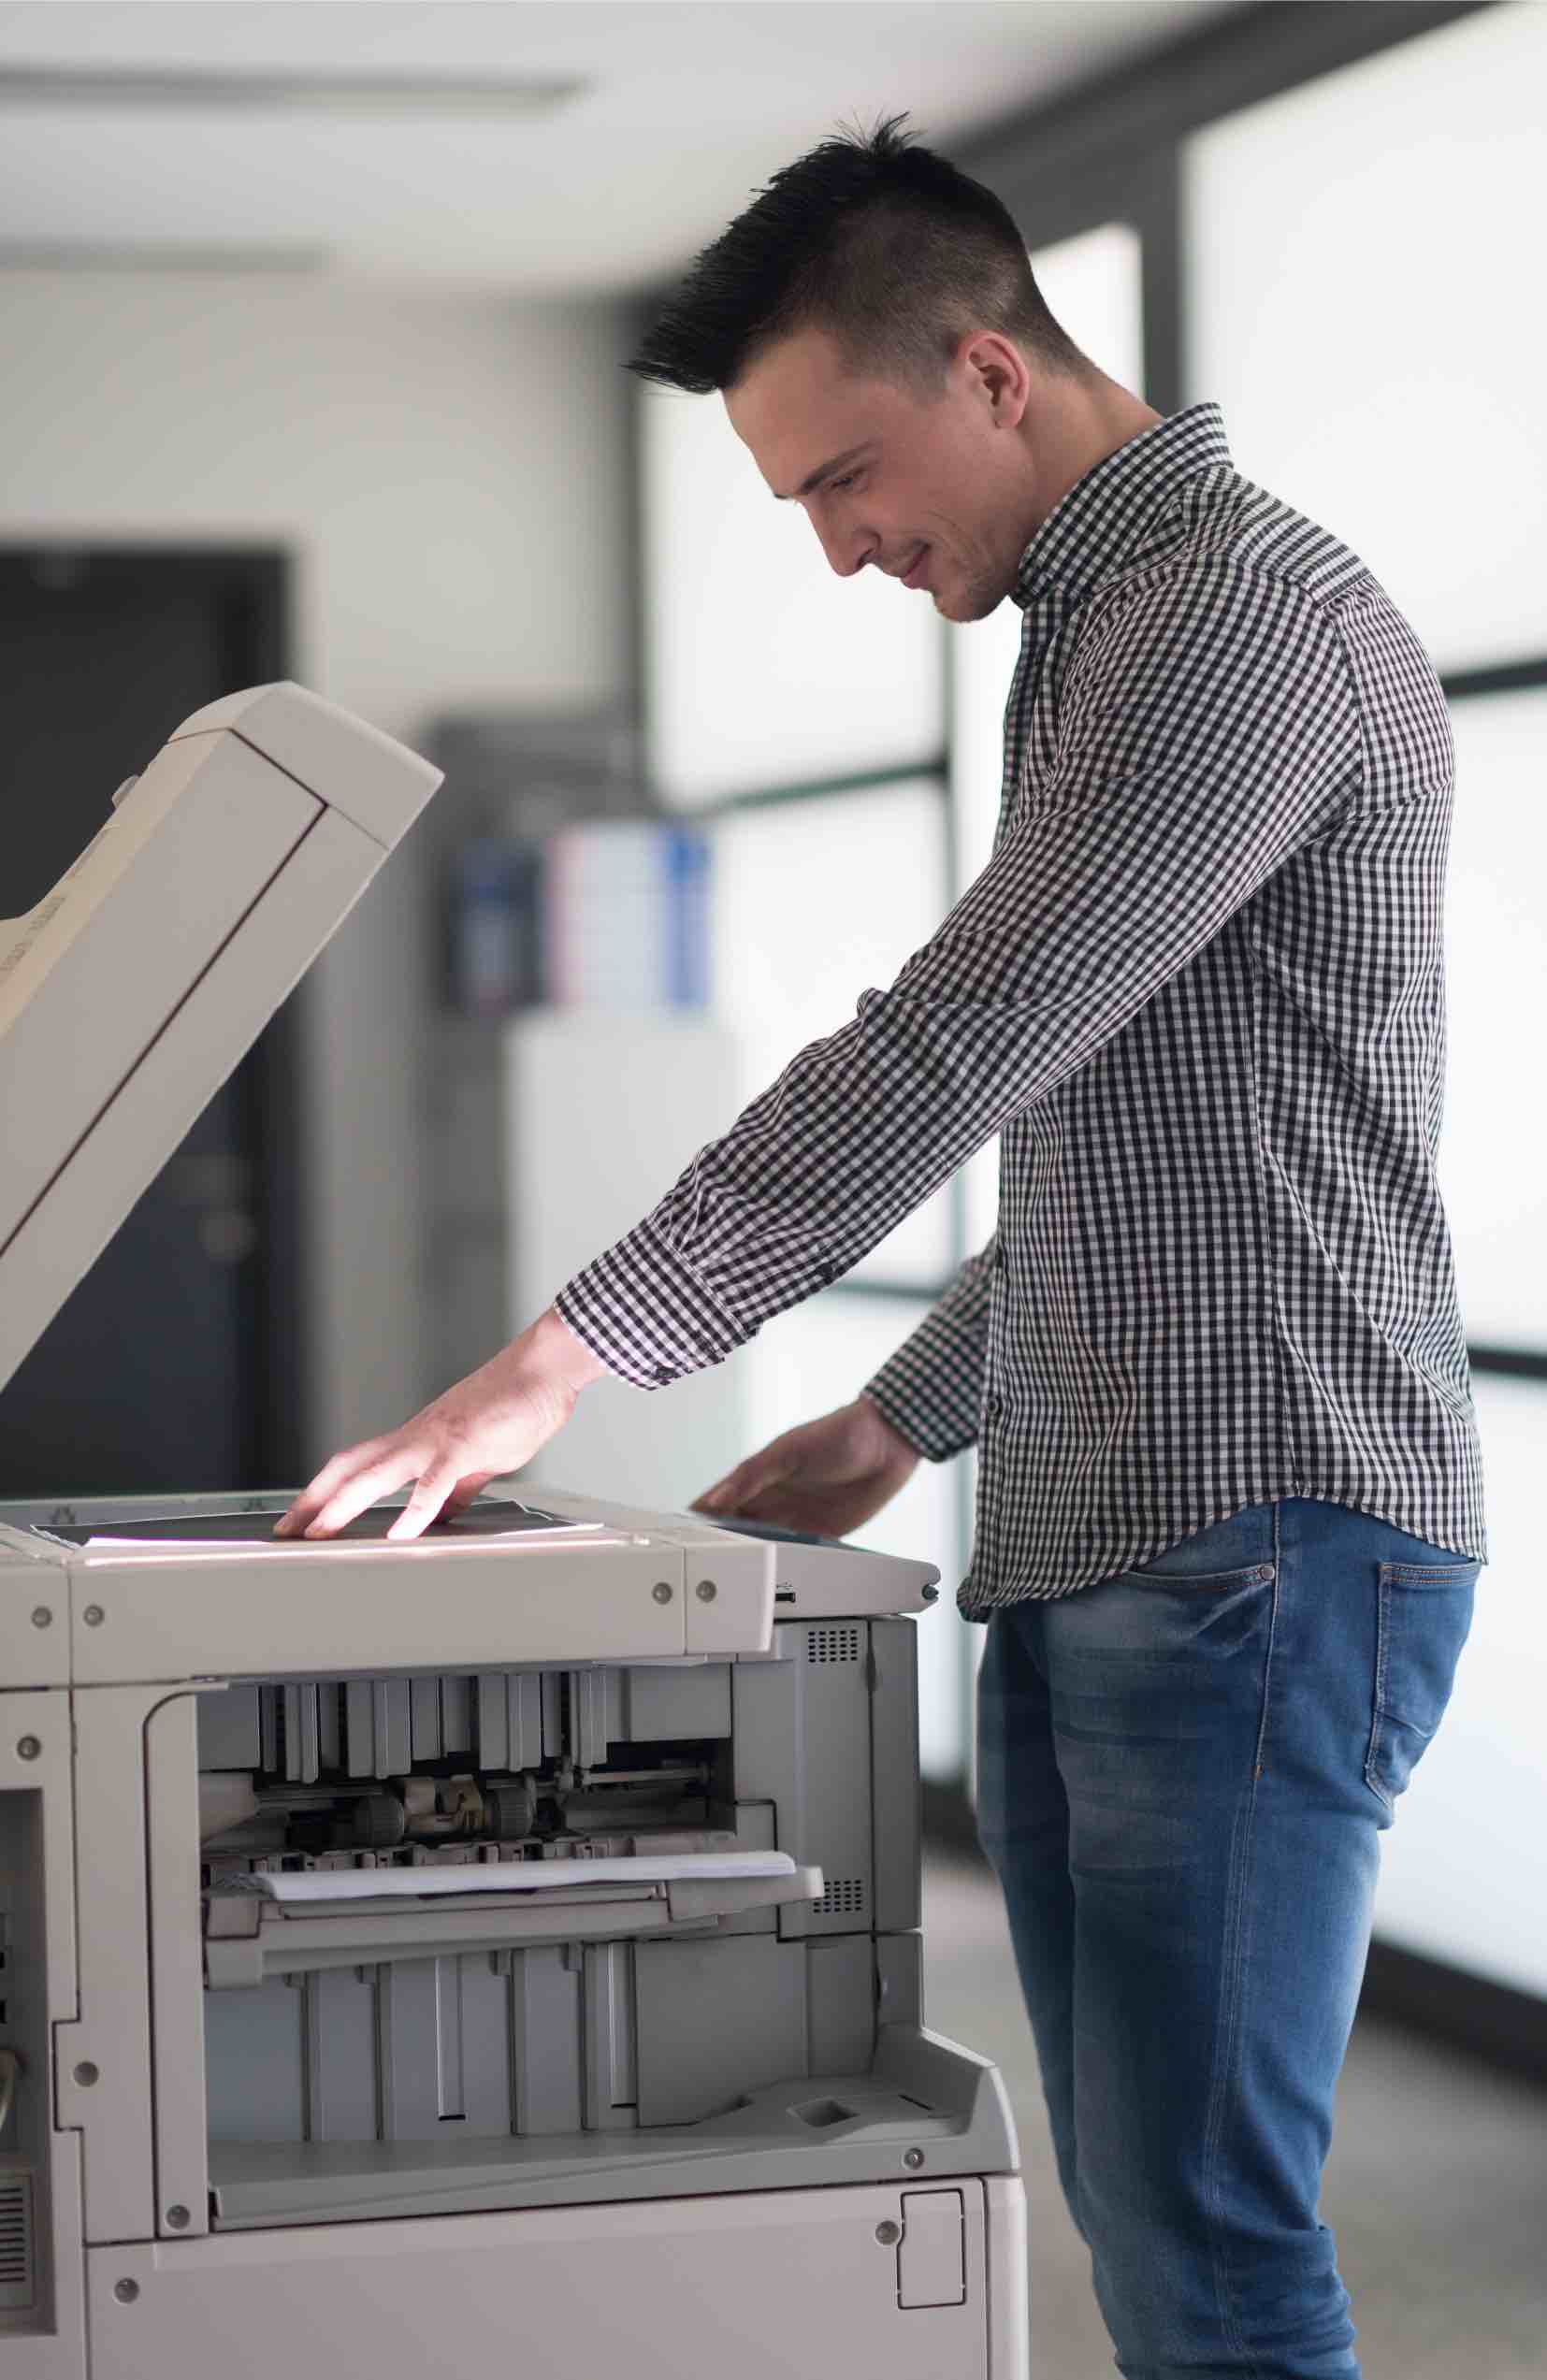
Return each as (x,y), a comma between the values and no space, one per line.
(998,370)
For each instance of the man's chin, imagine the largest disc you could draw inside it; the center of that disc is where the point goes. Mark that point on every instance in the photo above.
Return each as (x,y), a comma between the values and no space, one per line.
(962,609)
(963,603)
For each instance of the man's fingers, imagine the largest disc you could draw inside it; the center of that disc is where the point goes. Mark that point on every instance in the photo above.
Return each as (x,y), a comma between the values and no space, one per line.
(737,1491)
(723,1495)
(354,1496)
(467,1489)
(491,1423)
(312,1499)
(351,1482)
(437,1485)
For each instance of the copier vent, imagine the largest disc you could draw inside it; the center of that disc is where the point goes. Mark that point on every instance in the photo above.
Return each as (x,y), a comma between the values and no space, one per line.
(16,2274)
(833,1644)
(844,1896)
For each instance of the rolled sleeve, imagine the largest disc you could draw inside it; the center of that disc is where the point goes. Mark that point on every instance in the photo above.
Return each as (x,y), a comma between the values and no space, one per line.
(642,1311)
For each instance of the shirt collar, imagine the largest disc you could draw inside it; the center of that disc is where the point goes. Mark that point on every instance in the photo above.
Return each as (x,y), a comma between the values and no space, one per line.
(1097,523)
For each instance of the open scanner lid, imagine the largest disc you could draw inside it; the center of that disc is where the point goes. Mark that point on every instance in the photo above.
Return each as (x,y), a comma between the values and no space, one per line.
(132,989)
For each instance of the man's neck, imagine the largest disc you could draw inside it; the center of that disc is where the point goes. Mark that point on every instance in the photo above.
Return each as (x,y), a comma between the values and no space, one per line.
(1071,425)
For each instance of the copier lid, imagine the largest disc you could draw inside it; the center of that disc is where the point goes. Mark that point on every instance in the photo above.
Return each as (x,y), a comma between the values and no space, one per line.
(132,989)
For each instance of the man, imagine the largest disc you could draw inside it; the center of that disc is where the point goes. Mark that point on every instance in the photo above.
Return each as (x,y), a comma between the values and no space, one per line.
(1230,1515)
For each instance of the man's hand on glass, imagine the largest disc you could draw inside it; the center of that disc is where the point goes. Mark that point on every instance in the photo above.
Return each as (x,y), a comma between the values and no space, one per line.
(825,1478)
(493,1421)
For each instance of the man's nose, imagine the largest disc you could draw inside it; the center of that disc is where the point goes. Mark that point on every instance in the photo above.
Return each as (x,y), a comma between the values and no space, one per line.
(847,548)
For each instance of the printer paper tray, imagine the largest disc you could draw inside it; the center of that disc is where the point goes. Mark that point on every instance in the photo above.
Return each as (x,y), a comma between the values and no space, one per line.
(923,2093)
(250,1940)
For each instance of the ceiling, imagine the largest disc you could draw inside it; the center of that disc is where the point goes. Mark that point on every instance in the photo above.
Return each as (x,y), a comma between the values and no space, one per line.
(684,107)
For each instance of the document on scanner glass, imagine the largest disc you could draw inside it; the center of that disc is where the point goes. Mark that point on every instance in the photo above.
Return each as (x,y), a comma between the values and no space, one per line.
(256,1527)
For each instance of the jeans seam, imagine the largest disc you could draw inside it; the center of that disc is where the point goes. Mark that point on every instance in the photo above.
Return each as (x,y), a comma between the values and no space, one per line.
(1267,1667)
(1382,1656)
(1227,2077)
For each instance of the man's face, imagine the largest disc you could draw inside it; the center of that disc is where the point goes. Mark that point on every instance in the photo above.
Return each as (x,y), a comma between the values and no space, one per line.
(926,487)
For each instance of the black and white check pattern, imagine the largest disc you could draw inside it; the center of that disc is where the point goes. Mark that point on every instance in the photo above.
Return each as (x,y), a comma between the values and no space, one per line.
(1199,991)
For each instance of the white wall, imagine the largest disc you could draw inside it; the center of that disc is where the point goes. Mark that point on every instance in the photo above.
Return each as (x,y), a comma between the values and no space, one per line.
(449,475)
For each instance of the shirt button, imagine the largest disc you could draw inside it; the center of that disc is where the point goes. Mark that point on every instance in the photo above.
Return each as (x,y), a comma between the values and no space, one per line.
(993,1405)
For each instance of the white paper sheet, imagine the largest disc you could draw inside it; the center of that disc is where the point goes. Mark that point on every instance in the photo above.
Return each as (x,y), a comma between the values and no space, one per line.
(518,1875)
(171,1543)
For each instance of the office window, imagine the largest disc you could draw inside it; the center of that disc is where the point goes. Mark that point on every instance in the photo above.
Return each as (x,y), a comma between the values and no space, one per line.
(818,1356)
(817,900)
(1455,1869)
(1364,305)
(1364,302)
(763,667)
(1092,285)
(1492,1154)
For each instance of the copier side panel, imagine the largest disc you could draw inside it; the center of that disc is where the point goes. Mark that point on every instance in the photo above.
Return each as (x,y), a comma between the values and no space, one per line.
(879,2278)
(828,1732)
(103,2055)
(42,2328)
(35,1614)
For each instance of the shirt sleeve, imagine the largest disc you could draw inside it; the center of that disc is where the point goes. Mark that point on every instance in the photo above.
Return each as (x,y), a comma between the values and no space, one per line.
(931,1389)
(1207,729)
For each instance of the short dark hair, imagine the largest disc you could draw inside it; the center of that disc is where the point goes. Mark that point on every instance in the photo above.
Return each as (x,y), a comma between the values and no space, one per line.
(883,244)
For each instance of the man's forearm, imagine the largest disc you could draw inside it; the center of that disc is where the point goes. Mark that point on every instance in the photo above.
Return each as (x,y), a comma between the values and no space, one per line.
(561,1353)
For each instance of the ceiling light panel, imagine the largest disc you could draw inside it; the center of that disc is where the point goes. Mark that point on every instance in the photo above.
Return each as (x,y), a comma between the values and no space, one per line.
(282,94)
(159,256)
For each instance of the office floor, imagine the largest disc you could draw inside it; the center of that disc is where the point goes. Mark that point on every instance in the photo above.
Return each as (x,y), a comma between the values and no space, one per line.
(1437,2185)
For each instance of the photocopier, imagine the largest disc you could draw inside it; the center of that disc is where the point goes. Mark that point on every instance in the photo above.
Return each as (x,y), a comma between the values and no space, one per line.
(497,1952)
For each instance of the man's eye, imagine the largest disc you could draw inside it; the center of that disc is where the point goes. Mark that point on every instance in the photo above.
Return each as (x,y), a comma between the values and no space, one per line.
(848,480)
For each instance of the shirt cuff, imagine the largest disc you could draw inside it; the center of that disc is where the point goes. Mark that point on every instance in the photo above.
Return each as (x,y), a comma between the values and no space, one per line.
(643,1312)
(930,1390)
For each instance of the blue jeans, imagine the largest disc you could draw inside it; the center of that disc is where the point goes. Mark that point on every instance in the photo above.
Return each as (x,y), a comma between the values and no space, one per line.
(1182,1773)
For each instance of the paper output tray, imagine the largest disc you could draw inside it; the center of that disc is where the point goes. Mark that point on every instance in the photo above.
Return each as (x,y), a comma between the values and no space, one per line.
(247,1939)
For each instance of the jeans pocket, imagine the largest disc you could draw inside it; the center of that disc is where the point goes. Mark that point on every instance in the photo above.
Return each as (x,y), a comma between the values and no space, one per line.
(1216,1560)
(1217,1583)
(1423,1612)
(1201,1613)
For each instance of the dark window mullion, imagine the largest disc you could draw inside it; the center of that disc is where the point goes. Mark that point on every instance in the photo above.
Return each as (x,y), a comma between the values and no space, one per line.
(1153,103)
(1504,677)
(821,790)
(1508,1363)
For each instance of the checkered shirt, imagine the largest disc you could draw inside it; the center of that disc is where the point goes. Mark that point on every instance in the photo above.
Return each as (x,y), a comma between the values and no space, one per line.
(1198,991)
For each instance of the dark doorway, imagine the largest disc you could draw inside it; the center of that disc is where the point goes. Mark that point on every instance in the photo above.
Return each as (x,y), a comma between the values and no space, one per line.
(173,1365)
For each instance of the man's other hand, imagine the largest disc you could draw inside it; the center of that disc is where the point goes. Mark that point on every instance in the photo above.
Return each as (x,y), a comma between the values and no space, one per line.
(826,1478)
(491,1423)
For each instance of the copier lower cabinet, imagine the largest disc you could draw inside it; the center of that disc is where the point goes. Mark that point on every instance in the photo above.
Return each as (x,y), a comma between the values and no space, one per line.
(494,1951)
